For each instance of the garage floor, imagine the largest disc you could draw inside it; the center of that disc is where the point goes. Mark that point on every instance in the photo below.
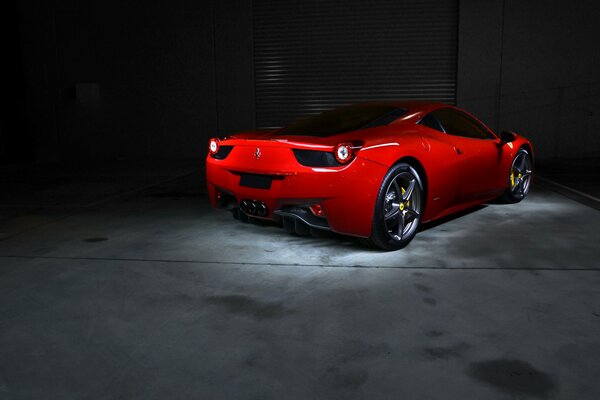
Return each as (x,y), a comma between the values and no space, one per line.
(151,294)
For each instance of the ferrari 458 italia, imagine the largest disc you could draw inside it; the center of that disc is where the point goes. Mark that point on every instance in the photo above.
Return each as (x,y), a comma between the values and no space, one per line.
(374,170)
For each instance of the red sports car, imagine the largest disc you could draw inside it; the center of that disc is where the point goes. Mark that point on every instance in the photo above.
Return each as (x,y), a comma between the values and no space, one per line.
(374,170)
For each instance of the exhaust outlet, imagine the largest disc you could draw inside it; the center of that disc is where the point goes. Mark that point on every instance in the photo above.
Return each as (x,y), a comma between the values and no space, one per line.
(261,209)
(254,207)
(245,206)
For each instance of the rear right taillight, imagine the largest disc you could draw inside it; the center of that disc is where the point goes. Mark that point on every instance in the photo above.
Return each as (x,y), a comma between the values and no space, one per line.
(344,153)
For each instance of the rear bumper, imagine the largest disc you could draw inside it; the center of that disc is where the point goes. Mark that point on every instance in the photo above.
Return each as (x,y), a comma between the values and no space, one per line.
(347,194)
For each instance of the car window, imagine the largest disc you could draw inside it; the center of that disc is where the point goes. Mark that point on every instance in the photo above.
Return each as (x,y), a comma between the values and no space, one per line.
(457,123)
(342,120)
(431,122)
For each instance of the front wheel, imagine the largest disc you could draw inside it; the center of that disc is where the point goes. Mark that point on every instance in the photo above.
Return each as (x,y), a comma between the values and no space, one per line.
(519,177)
(398,208)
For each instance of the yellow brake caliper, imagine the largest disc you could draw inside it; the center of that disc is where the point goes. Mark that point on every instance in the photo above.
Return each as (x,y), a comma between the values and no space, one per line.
(512,178)
(407,203)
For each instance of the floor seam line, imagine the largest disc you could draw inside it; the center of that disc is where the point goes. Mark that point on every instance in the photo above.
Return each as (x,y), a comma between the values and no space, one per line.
(355,266)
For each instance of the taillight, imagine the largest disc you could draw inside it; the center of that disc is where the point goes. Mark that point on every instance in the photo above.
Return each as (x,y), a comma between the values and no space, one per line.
(213,146)
(344,153)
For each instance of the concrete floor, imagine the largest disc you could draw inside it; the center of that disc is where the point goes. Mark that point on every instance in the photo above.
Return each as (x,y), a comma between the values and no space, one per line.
(155,296)
(580,174)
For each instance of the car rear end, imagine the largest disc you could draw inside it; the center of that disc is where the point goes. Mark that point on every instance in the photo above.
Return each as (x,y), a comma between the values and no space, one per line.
(305,183)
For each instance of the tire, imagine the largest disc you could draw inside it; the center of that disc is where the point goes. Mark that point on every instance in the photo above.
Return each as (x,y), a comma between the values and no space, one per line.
(398,208)
(519,177)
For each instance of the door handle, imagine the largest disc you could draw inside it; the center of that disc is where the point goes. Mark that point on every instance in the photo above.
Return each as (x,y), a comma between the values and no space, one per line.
(458,151)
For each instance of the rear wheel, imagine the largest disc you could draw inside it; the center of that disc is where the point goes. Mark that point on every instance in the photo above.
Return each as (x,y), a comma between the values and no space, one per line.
(398,208)
(519,177)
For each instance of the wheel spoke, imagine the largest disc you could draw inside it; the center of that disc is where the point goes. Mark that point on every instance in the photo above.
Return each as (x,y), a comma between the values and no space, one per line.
(519,188)
(398,189)
(401,225)
(515,188)
(393,212)
(522,164)
(409,190)
(412,214)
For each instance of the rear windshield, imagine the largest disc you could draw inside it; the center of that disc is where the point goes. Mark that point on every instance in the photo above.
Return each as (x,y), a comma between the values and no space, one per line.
(344,119)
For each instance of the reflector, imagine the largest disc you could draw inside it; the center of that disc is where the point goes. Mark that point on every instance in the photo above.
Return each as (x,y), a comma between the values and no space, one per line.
(317,210)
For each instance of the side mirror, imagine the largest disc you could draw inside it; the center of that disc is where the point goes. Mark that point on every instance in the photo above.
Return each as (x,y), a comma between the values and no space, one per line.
(507,137)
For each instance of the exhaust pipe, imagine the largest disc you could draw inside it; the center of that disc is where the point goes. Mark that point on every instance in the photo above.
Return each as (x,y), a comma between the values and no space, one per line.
(254,207)
(244,206)
(261,209)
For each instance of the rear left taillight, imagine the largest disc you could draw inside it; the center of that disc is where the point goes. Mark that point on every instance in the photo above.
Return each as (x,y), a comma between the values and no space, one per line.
(213,146)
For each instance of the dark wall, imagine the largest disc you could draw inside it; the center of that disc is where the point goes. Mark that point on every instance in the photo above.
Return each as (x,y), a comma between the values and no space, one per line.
(108,79)
(112,79)
(533,67)
(13,138)
(313,55)
(234,65)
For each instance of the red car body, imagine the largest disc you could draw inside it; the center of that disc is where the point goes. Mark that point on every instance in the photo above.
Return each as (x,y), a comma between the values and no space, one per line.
(457,172)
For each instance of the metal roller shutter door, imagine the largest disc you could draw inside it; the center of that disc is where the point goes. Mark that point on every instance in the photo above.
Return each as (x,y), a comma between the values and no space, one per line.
(314,55)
